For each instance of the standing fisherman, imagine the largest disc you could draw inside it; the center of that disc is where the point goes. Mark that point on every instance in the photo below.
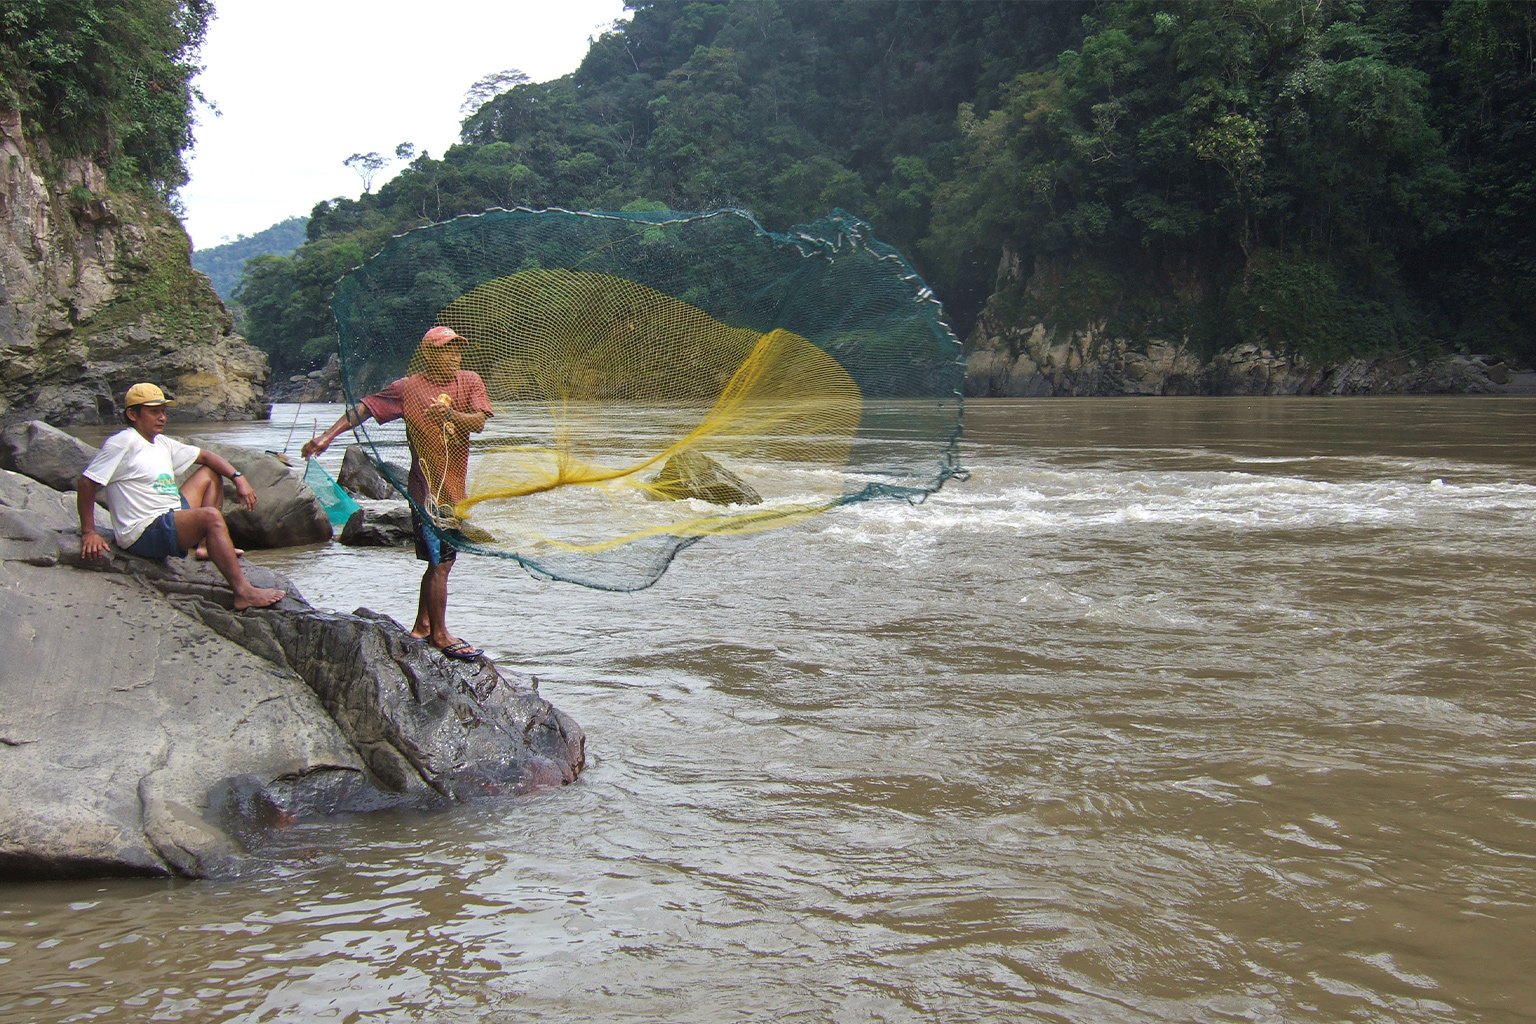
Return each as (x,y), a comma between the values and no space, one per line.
(442,404)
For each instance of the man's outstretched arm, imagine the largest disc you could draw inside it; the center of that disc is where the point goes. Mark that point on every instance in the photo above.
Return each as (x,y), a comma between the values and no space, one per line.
(352,418)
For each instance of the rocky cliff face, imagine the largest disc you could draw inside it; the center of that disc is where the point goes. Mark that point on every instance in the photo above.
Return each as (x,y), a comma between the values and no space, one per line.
(1035,361)
(97,292)
(1013,359)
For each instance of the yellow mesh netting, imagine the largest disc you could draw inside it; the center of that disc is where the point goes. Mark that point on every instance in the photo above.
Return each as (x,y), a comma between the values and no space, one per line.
(649,380)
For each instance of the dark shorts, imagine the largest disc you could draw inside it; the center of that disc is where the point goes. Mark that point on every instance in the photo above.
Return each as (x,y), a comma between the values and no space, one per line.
(158,541)
(430,548)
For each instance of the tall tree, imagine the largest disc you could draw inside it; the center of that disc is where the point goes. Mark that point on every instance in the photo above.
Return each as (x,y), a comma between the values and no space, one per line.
(367,166)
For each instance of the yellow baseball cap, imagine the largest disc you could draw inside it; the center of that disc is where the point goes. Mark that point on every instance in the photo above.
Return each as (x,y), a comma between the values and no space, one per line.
(145,394)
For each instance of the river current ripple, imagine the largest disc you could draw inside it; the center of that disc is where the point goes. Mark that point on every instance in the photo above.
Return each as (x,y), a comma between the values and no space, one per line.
(1176,710)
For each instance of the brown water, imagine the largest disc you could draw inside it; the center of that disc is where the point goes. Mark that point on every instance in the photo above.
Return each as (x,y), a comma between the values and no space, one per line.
(1177,710)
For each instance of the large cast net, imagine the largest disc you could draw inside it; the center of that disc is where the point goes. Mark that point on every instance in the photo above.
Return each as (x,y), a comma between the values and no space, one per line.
(653,379)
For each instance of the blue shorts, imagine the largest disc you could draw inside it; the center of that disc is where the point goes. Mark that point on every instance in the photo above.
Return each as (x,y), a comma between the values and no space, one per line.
(430,548)
(158,541)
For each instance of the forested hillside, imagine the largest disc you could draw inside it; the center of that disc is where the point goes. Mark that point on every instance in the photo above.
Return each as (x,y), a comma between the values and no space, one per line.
(95,114)
(1316,176)
(225,264)
(111,82)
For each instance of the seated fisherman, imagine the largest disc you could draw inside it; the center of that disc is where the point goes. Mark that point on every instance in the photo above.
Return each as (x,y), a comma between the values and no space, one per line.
(152,518)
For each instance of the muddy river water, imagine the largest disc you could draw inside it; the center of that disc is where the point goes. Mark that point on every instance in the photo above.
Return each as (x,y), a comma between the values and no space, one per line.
(1176,710)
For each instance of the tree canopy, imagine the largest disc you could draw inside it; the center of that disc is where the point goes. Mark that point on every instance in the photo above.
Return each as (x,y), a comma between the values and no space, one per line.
(1291,174)
(107,79)
(1330,177)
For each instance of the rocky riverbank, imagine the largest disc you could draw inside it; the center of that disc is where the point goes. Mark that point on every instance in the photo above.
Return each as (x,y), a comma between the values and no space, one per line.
(148,729)
(1009,362)
(322,385)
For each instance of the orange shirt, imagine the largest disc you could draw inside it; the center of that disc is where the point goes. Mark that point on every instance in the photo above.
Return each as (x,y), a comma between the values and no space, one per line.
(439,456)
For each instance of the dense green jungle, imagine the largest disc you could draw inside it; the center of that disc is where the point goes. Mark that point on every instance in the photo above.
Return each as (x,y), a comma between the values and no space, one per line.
(225,264)
(1322,177)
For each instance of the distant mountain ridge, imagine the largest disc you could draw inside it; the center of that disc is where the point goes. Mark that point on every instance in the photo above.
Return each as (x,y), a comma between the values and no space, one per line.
(225,264)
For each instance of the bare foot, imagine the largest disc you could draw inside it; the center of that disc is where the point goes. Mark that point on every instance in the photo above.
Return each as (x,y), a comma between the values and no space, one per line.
(258,597)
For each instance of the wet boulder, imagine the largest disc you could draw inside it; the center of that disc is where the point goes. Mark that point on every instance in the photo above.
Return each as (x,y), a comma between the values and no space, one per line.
(378,524)
(361,477)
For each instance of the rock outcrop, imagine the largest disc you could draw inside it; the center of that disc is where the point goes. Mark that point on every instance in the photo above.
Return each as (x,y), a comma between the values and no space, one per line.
(44,453)
(322,385)
(1012,354)
(361,478)
(97,292)
(145,727)
(287,513)
(1008,361)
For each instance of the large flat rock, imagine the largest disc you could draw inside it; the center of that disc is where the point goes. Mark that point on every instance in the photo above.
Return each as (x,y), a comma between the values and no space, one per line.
(145,726)
(119,715)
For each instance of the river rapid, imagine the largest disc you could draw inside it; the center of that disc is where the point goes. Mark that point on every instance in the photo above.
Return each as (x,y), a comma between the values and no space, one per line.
(1176,710)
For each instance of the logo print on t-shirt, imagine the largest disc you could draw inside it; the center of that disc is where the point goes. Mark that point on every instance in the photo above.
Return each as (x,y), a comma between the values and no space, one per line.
(165,484)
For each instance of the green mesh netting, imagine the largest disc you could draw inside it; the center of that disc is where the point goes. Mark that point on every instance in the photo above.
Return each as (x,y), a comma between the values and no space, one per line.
(337,503)
(653,379)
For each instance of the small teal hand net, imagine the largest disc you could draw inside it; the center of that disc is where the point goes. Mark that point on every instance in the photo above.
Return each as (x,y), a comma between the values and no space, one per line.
(652,379)
(337,503)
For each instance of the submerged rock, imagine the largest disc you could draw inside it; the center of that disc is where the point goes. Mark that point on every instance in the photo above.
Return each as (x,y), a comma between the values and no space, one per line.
(692,475)
(146,727)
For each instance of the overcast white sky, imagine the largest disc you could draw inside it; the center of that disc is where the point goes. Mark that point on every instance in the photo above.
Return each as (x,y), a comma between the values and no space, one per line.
(303,84)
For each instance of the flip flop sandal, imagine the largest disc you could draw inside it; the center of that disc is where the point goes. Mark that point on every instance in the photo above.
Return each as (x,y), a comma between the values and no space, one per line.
(462,651)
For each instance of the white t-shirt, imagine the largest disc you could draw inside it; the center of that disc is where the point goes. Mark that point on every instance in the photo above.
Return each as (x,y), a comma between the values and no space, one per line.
(140,479)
